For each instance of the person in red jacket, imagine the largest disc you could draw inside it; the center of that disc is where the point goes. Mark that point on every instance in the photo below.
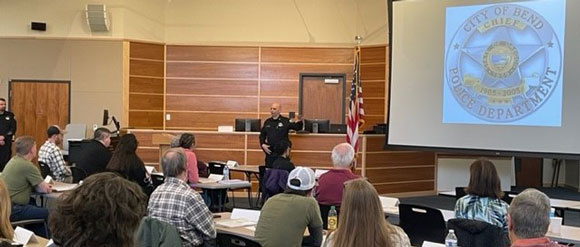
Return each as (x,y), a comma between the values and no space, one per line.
(331,184)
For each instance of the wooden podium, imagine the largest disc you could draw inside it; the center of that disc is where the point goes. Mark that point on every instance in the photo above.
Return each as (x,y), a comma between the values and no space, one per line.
(163,140)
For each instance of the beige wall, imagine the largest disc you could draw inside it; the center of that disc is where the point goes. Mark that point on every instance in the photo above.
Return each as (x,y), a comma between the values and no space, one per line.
(300,22)
(276,21)
(94,68)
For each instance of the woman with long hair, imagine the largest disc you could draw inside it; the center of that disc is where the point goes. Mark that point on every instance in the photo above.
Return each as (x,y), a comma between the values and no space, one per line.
(6,230)
(126,163)
(187,143)
(362,221)
(483,200)
(104,211)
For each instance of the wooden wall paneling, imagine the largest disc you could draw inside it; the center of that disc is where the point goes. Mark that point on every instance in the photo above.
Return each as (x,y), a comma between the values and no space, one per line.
(286,104)
(254,141)
(373,55)
(145,119)
(211,103)
(222,141)
(372,71)
(212,87)
(220,155)
(311,159)
(400,174)
(256,157)
(399,159)
(374,89)
(307,55)
(203,121)
(315,142)
(292,71)
(279,88)
(374,106)
(147,51)
(211,70)
(145,139)
(404,187)
(371,121)
(212,53)
(145,102)
(148,155)
(146,68)
(375,143)
(145,85)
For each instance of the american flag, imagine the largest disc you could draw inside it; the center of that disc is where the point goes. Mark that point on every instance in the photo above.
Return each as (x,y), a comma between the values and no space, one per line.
(355,109)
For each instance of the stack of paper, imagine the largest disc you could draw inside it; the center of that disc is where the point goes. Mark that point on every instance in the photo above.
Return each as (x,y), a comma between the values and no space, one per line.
(59,187)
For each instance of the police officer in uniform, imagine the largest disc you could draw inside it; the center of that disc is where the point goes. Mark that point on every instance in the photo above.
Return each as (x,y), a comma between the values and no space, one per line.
(7,130)
(274,130)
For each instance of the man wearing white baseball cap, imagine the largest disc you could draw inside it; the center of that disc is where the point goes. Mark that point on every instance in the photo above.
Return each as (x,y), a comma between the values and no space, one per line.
(285,216)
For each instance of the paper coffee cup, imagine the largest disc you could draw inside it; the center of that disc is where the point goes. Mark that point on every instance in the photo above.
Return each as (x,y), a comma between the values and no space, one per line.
(556,224)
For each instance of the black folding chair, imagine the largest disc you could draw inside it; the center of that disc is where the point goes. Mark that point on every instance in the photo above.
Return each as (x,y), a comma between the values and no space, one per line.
(44,169)
(78,174)
(422,224)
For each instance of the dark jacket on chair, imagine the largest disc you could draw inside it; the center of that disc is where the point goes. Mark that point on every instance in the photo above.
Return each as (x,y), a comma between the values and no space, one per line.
(274,182)
(156,233)
(475,233)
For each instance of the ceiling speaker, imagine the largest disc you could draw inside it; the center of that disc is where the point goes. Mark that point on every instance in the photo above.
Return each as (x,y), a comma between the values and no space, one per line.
(97,17)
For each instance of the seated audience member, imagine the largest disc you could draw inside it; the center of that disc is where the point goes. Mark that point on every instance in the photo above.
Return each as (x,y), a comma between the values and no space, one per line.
(6,230)
(104,211)
(126,163)
(483,200)
(362,221)
(528,220)
(282,150)
(285,216)
(21,177)
(331,184)
(50,154)
(95,155)
(187,143)
(174,202)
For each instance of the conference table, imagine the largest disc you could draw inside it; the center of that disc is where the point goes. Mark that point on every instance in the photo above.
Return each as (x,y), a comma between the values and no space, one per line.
(242,231)
(210,187)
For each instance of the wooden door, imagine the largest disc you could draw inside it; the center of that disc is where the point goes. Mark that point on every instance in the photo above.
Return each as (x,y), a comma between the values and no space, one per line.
(322,100)
(38,104)
(528,172)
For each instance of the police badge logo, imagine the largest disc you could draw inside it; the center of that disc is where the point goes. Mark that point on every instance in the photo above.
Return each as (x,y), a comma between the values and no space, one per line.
(503,63)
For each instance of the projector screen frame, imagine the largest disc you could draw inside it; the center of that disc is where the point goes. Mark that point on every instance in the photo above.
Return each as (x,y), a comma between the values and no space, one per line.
(450,150)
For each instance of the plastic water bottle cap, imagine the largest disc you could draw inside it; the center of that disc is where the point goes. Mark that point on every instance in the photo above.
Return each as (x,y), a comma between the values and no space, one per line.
(451,230)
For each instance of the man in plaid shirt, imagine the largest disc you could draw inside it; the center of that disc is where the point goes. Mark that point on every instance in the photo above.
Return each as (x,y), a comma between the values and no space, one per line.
(174,202)
(51,155)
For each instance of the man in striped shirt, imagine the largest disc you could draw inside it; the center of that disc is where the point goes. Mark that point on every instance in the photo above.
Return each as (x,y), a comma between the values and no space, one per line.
(528,220)
(50,154)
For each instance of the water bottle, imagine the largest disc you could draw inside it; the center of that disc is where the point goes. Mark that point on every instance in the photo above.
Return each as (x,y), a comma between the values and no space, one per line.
(226,173)
(451,239)
(332,219)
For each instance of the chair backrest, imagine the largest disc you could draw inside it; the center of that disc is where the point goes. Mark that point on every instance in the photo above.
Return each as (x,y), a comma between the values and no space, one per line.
(224,239)
(475,233)
(156,233)
(459,192)
(44,169)
(422,223)
(216,167)
(202,169)
(74,131)
(157,180)
(507,198)
(78,174)
(324,213)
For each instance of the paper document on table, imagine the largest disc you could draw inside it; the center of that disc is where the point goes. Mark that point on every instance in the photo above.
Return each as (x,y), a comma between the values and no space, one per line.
(431,244)
(23,236)
(150,169)
(59,187)
(319,172)
(388,202)
(251,228)
(251,215)
(234,223)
